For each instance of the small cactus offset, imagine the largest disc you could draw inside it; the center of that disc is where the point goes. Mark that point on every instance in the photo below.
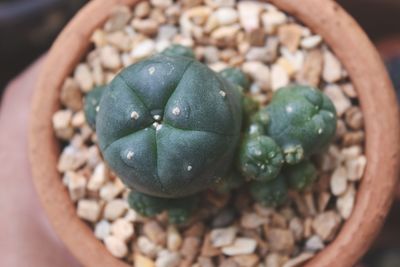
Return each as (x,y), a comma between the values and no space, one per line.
(236,76)
(270,193)
(179,50)
(302,121)
(260,158)
(300,176)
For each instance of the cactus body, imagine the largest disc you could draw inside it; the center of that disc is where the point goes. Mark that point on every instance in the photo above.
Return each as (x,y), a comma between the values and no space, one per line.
(300,176)
(169,126)
(270,194)
(176,50)
(302,120)
(260,158)
(91,106)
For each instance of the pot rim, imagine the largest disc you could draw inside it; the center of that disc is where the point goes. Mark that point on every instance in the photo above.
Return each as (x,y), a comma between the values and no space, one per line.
(347,41)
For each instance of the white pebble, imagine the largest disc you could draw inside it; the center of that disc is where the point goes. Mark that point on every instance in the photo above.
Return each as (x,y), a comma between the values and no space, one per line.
(279,77)
(240,246)
(83,77)
(311,41)
(115,209)
(102,229)
(345,203)
(249,14)
(122,229)
(223,236)
(116,246)
(88,210)
(338,181)
(143,49)
(168,259)
(76,185)
(226,16)
(98,178)
(339,99)
(332,69)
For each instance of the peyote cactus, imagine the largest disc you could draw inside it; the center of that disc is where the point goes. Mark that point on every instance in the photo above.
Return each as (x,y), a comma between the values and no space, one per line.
(270,193)
(302,120)
(178,209)
(91,107)
(169,126)
(300,176)
(260,158)
(179,50)
(236,76)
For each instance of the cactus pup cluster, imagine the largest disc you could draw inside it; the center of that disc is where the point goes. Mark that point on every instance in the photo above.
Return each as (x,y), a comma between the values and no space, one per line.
(170,128)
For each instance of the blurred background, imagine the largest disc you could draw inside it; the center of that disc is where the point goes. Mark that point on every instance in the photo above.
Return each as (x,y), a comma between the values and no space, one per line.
(28,27)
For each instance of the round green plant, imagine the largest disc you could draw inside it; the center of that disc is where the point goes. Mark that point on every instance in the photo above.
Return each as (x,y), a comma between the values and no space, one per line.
(302,120)
(169,126)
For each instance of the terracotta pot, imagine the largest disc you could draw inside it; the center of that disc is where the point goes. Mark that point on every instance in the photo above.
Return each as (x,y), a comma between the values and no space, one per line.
(350,44)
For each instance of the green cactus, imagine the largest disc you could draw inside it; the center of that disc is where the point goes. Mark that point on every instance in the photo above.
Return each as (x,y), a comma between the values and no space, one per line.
(91,106)
(169,126)
(178,50)
(302,120)
(301,176)
(260,158)
(271,193)
(236,76)
(231,181)
(146,205)
(180,210)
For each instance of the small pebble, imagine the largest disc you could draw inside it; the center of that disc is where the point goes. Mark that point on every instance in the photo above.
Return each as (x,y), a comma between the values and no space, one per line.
(223,236)
(142,261)
(116,246)
(338,181)
(341,102)
(355,168)
(345,203)
(174,239)
(147,247)
(311,41)
(314,243)
(76,185)
(279,77)
(155,232)
(290,36)
(143,49)
(252,220)
(259,72)
(71,95)
(98,178)
(326,224)
(241,245)
(280,240)
(110,58)
(102,229)
(115,209)
(142,9)
(168,259)
(226,15)
(119,17)
(88,210)
(249,14)
(122,229)
(332,70)
(296,226)
(248,260)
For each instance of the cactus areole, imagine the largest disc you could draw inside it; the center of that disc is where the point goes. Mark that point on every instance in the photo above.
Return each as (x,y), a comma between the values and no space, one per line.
(168,126)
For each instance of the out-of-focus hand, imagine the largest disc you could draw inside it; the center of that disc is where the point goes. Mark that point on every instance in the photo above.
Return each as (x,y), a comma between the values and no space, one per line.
(26,237)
